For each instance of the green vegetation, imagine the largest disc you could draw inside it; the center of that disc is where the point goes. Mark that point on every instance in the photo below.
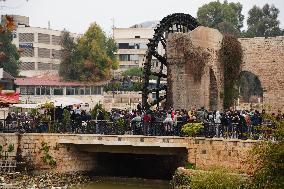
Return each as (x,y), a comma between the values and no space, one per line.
(11,148)
(9,55)
(118,86)
(138,72)
(226,17)
(66,118)
(215,179)
(99,107)
(91,58)
(192,129)
(268,159)
(263,22)
(231,57)
(47,158)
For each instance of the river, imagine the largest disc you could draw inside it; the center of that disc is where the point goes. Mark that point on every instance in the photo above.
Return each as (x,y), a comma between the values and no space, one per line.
(125,183)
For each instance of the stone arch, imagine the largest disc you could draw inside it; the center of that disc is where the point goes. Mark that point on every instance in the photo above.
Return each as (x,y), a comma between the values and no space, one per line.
(250,87)
(213,91)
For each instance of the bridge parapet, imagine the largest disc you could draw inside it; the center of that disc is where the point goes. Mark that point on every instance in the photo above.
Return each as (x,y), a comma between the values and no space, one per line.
(126,140)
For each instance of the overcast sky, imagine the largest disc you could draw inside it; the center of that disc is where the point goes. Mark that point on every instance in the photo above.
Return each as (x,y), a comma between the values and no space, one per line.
(76,15)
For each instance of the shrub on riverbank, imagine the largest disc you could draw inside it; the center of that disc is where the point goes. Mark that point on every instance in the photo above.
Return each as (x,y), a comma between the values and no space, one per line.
(216,179)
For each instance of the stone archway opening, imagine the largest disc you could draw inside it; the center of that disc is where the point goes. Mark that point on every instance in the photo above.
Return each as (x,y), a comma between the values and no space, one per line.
(213,91)
(250,88)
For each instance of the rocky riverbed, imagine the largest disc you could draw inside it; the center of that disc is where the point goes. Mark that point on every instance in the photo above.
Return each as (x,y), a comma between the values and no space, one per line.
(42,181)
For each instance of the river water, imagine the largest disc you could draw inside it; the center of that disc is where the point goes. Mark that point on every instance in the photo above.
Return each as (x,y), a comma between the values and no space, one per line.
(123,183)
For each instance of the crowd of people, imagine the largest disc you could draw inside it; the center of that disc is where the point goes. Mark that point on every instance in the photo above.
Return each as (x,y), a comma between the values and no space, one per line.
(236,124)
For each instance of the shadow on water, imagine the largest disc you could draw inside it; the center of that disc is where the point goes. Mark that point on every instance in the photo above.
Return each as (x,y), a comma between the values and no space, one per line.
(123,170)
(147,166)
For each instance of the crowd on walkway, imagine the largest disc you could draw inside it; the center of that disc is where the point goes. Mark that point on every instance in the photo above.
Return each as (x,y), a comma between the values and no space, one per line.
(234,124)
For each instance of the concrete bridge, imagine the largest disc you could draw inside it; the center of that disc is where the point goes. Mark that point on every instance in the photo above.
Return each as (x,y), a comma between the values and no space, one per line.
(133,144)
(110,153)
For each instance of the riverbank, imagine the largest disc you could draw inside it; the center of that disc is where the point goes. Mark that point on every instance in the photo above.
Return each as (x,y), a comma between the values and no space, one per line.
(76,181)
(45,180)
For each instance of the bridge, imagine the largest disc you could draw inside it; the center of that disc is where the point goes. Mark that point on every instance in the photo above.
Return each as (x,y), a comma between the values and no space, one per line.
(156,155)
(134,144)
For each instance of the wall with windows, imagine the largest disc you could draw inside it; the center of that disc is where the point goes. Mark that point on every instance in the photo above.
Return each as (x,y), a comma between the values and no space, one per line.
(132,46)
(39,94)
(40,50)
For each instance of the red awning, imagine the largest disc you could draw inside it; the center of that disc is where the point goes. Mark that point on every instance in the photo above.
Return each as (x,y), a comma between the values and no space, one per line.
(9,98)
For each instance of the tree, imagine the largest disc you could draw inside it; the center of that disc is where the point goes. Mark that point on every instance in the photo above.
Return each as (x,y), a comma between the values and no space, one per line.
(133,72)
(69,67)
(226,17)
(91,59)
(9,55)
(97,51)
(263,22)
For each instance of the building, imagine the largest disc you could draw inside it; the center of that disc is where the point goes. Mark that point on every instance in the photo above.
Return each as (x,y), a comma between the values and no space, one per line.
(45,88)
(40,47)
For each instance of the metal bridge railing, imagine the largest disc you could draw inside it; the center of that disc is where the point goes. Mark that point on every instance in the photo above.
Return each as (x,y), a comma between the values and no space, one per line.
(156,128)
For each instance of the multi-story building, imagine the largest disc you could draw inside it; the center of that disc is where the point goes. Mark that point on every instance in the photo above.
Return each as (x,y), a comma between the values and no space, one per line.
(132,46)
(40,47)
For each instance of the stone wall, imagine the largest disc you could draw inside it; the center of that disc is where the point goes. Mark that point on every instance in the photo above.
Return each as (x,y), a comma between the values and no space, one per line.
(183,91)
(209,153)
(68,158)
(204,153)
(264,57)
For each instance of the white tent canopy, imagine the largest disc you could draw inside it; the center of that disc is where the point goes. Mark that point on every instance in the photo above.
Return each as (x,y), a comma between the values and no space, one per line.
(66,101)
(26,106)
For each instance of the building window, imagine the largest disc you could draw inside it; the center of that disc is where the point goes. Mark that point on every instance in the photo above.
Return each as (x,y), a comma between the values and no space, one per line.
(56,54)
(123,45)
(133,57)
(30,90)
(43,66)
(82,91)
(76,90)
(128,57)
(58,91)
(47,90)
(26,37)
(88,91)
(27,52)
(23,91)
(44,38)
(37,90)
(137,37)
(70,91)
(43,53)
(96,90)
(27,66)
(56,40)
(55,66)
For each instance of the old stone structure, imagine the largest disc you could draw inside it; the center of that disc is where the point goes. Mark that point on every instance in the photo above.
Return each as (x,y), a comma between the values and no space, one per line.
(262,57)
(184,92)
(77,152)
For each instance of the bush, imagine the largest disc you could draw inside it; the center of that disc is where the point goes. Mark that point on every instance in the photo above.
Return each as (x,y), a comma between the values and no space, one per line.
(217,179)
(180,179)
(191,129)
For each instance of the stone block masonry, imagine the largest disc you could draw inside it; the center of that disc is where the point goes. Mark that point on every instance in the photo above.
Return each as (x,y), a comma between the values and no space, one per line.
(68,158)
(264,57)
(204,153)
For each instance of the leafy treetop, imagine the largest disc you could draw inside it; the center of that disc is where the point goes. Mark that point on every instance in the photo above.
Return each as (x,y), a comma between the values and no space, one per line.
(226,17)
(263,22)
(91,59)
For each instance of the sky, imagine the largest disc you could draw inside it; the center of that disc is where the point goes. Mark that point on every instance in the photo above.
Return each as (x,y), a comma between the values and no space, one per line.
(76,16)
